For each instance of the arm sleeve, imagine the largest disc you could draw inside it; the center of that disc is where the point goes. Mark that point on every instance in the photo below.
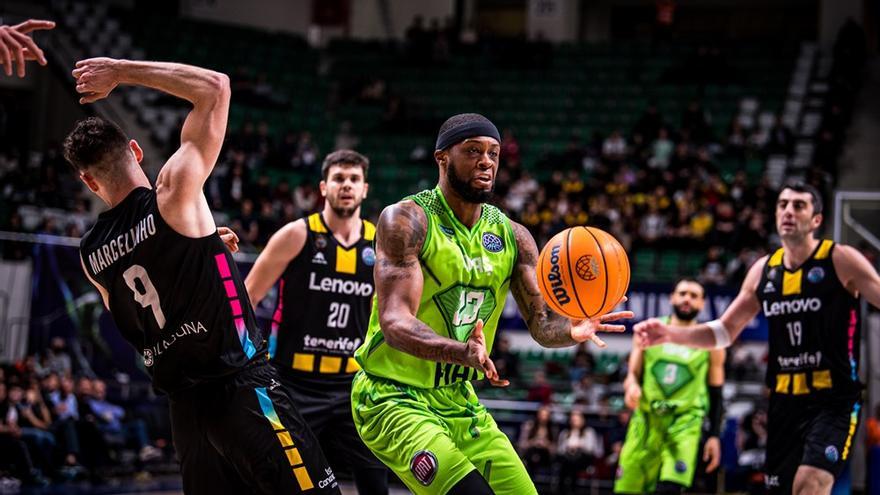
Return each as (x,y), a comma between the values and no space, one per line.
(716,409)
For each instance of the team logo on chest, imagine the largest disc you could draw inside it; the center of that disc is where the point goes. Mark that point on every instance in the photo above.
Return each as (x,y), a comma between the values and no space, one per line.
(320,241)
(492,242)
(369,256)
(816,274)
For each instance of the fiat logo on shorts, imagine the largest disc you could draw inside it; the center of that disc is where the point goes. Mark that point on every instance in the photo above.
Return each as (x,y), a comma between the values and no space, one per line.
(424,466)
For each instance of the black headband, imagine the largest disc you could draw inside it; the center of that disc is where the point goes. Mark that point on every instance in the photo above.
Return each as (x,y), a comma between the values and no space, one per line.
(465,131)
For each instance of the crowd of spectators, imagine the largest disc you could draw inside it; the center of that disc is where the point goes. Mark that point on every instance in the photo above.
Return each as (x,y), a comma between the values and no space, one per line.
(656,186)
(57,423)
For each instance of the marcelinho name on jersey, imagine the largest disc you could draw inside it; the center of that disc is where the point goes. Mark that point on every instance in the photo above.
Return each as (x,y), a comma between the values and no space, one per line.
(107,254)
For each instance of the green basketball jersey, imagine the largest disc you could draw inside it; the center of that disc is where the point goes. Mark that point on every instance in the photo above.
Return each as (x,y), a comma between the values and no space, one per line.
(674,379)
(466,277)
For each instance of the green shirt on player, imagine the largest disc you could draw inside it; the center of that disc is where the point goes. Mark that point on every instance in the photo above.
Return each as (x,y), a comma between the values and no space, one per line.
(674,379)
(466,277)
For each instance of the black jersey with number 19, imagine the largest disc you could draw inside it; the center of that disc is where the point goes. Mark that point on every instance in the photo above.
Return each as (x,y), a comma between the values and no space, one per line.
(179,301)
(814,327)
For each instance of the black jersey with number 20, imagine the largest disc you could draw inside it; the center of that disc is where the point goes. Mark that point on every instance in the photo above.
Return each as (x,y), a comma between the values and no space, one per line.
(324,304)
(179,301)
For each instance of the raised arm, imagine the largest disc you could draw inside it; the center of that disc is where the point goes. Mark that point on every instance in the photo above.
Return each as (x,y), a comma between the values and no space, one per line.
(204,127)
(856,273)
(740,312)
(547,327)
(283,246)
(17,47)
(400,234)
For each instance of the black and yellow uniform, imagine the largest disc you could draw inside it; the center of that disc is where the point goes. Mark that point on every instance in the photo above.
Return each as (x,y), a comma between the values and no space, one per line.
(323,309)
(812,369)
(181,302)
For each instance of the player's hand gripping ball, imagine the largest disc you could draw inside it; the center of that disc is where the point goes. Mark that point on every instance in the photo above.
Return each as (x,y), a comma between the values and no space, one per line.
(583,272)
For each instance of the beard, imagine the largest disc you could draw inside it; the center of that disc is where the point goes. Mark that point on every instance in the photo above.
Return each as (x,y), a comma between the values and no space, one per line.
(342,211)
(685,315)
(463,189)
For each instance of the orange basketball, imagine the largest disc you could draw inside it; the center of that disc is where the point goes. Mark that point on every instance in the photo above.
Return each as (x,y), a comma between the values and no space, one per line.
(583,272)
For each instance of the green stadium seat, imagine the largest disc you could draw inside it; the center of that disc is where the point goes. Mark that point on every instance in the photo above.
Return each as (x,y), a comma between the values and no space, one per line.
(669,265)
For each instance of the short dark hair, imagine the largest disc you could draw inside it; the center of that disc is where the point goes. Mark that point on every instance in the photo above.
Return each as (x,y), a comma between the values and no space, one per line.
(690,280)
(802,187)
(95,143)
(345,157)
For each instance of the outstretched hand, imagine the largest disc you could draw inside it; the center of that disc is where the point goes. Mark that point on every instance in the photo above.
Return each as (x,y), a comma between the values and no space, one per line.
(17,47)
(95,78)
(478,356)
(583,330)
(651,332)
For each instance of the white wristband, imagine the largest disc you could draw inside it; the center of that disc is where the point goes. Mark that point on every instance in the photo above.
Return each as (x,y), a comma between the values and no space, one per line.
(722,336)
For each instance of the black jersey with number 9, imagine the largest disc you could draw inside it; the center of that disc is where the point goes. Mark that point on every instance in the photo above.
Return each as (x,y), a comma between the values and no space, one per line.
(179,301)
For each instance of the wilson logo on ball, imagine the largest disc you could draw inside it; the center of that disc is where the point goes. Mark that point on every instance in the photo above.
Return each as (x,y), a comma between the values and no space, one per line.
(555,278)
(587,268)
(582,272)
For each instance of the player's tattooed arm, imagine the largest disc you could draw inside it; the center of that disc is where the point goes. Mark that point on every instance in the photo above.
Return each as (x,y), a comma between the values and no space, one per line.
(548,328)
(400,234)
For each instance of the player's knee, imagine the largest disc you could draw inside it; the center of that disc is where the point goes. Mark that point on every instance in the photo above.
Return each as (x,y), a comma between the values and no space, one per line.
(669,488)
(812,481)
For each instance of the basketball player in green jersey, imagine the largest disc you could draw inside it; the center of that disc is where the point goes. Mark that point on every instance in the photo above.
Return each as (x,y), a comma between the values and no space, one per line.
(671,388)
(444,263)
